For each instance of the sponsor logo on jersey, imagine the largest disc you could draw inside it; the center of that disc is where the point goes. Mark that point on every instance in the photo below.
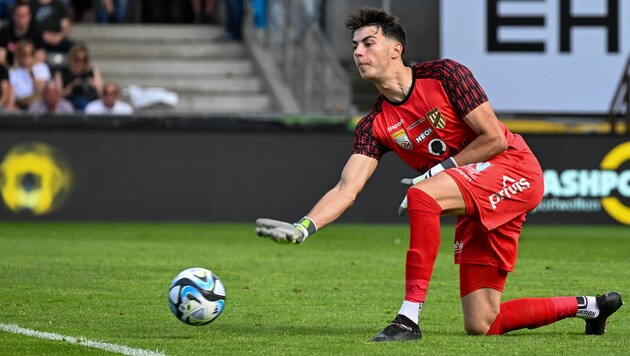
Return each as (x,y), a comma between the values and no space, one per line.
(402,139)
(511,187)
(474,169)
(395,126)
(436,119)
(458,247)
(437,147)
(426,133)
(421,120)
(471,171)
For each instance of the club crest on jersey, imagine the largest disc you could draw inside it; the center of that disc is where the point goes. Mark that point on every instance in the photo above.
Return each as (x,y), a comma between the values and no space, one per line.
(402,139)
(436,119)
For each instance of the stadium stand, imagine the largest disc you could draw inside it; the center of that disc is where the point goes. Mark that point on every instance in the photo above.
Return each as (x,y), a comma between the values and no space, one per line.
(208,77)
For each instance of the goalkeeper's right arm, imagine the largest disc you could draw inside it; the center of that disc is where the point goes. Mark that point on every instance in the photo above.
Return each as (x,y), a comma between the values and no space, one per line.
(355,174)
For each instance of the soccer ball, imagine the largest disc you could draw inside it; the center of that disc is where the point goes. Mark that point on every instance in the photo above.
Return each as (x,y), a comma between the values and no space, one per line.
(196,296)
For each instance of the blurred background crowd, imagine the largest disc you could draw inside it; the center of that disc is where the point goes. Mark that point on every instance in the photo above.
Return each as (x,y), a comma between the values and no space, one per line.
(43,69)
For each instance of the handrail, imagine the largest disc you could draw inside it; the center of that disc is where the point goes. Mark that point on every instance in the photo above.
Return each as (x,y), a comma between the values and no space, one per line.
(620,103)
(305,58)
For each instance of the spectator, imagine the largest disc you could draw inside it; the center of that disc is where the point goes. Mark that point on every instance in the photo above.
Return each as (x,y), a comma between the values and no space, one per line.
(79,9)
(51,101)
(109,103)
(20,27)
(27,76)
(7,97)
(51,16)
(259,13)
(234,24)
(81,82)
(163,11)
(208,13)
(113,11)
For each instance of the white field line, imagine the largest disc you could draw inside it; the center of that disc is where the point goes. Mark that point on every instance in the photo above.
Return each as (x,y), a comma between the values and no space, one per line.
(120,349)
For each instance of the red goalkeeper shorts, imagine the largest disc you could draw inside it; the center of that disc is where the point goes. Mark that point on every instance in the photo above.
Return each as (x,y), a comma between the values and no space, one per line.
(498,194)
(474,277)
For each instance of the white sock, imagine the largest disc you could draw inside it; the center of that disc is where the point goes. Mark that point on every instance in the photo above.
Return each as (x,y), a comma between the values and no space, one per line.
(587,308)
(411,310)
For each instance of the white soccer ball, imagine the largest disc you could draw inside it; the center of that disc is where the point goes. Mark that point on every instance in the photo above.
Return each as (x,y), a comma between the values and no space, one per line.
(196,296)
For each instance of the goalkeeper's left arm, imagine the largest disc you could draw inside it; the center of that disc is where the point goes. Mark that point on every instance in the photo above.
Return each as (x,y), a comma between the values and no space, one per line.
(355,174)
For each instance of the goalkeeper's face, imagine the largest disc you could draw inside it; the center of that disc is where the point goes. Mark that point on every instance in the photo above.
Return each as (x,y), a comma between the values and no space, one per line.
(373,52)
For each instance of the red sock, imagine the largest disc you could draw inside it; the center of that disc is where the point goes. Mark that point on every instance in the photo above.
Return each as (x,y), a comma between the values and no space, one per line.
(424,242)
(532,313)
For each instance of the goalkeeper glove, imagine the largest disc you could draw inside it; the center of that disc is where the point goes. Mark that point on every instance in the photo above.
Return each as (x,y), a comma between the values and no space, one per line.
(281,231)
(446,164)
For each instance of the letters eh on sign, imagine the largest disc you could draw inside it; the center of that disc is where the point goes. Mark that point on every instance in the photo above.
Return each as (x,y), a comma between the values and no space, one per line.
(540,56)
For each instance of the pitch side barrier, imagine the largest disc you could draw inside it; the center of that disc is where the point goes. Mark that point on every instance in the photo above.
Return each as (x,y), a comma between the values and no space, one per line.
(235,169)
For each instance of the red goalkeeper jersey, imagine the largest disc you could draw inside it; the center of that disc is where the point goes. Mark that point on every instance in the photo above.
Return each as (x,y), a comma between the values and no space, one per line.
(427,126)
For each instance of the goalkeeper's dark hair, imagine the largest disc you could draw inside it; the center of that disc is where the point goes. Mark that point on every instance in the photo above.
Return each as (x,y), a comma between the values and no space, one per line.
(370,16)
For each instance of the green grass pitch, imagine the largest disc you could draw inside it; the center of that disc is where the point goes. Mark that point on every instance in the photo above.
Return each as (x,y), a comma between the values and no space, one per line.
(108,283)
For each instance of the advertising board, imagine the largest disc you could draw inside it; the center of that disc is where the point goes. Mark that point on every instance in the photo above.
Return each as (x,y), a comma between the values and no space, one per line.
(146,175)
(540,56)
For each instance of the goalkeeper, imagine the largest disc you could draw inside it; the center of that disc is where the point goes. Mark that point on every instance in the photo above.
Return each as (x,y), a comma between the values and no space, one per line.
(437,119)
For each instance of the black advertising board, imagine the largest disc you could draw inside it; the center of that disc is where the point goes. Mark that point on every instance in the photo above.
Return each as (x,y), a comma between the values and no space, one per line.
(91,174)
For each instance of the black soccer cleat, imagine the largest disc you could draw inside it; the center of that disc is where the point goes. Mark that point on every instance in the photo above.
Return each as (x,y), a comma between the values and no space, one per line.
(608,304)
(400,329)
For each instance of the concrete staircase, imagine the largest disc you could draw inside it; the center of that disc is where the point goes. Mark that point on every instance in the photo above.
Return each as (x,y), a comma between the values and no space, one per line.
(209,78)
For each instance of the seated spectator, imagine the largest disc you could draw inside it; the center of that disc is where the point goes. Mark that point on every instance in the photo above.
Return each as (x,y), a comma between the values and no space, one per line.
(51,101)
(79,9)
(20,27)
(27,77)
(112,11)
(51,17)
(109,103)
(7,97)
(81,82)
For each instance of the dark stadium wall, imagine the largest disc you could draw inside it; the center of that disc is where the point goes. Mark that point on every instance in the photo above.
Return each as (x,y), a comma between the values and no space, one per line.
(204,176)
(187,175)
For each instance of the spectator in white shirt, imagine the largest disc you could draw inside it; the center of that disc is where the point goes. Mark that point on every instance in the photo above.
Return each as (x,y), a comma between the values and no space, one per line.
(109,103)
(27,77)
